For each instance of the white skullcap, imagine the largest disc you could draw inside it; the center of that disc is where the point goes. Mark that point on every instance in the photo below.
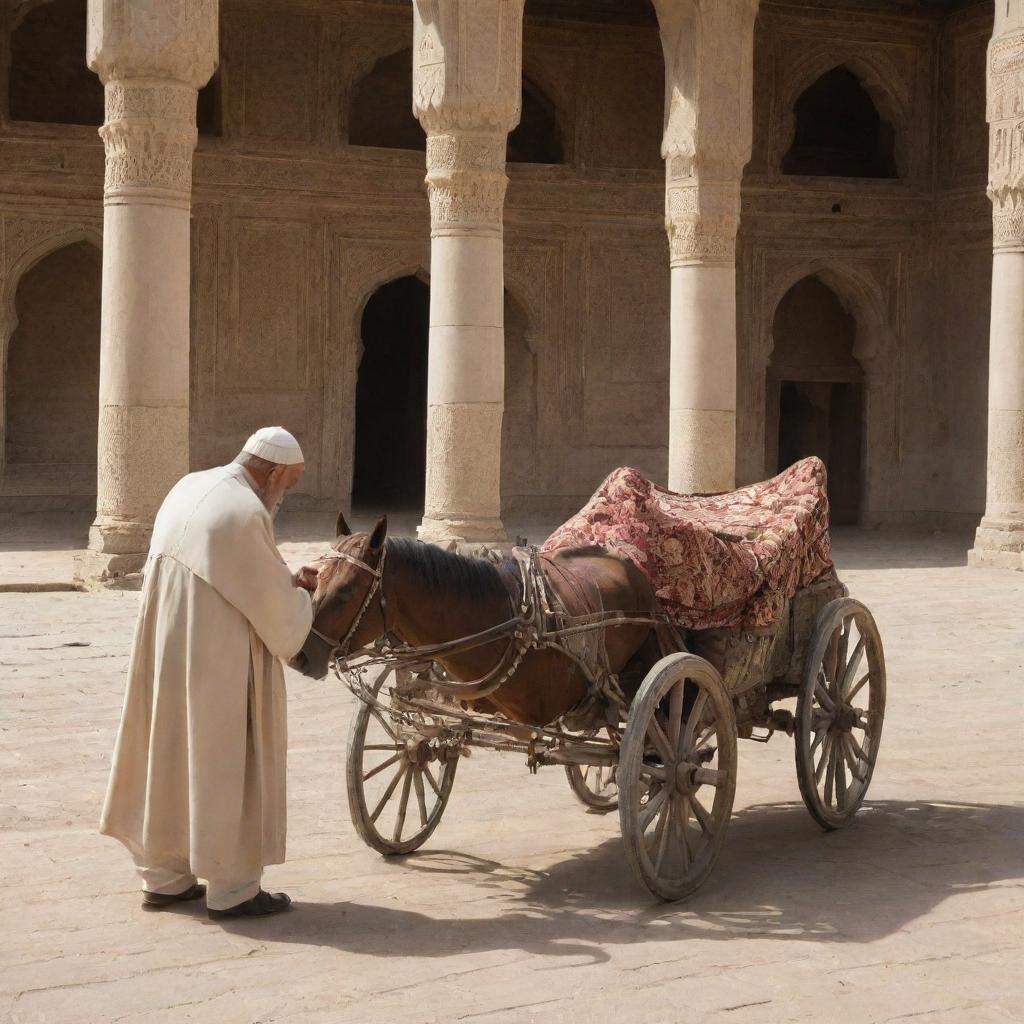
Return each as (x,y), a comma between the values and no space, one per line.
(275,445)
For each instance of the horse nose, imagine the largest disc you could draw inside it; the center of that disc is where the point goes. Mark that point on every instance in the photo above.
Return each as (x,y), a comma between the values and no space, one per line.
(300,662)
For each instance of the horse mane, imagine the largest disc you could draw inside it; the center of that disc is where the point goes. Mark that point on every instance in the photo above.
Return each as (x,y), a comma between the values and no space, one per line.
(474,578)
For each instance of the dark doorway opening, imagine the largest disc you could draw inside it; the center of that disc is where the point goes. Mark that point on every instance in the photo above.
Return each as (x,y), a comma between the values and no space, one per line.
(825,419)
(391,399)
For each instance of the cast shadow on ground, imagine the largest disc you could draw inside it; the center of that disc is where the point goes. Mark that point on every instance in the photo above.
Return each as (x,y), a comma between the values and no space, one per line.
(780,877)
(856,549)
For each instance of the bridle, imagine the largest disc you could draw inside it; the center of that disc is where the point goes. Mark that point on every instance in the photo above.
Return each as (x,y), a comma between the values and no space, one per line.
(339,648)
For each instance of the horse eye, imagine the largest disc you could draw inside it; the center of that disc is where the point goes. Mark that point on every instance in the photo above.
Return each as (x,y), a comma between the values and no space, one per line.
(345,593)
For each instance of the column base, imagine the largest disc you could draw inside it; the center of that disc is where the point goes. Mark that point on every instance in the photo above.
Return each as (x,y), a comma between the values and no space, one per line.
(116,554)
(463,534)
(998,544)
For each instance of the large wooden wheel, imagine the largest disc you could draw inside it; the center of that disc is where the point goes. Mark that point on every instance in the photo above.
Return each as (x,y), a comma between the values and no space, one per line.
(677,775)
(399,778)
(839,712)
(595,786)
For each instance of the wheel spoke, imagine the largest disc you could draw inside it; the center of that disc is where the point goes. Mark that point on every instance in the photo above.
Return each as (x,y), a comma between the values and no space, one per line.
(709,731)
(701,815)
(430,778)
(830,775)
(650,809)
(662,834)
(851,668)
(858,686)
(826,749)
(421,797)
(653,771)
(682,827)
(387,792)
(694,721)
(840,781)
(848,743)
(857,749)
(675,714)
(819,735)
(655,731)
(384,725)
(379,768)
(403,805)
(824,697)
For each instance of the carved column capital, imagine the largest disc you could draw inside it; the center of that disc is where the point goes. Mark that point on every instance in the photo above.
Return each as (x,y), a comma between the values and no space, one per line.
(467,88)
(708,46)
(152,58)
(702,219)
(466,181)
(149,135)
(175,39)
(1005,114)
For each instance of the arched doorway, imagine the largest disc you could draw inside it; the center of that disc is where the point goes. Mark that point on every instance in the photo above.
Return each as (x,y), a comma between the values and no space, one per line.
(816,392)
(839,132)
(391,399)
(52,377)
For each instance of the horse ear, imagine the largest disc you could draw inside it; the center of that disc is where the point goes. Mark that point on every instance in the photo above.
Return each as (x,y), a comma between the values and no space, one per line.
(380,532)
(341,529)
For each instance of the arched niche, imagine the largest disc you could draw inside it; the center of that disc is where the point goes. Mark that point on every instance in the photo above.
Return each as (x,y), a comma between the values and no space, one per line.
(51,377)
(839,132)
(381,115)
(816,402)
(48,78)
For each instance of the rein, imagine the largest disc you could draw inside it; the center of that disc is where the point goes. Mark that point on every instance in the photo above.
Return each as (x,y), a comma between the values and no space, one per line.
(531,629)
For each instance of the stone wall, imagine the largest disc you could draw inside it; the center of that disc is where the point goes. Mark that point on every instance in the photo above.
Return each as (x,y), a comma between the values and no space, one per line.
(909,258)
(294,229)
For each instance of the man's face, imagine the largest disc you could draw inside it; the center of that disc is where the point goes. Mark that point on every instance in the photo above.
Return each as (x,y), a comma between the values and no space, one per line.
(280,481)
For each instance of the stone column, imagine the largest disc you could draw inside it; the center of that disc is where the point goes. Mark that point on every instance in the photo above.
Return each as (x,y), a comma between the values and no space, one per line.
(466,92)
(152,59)
(708,46)
(1000,537)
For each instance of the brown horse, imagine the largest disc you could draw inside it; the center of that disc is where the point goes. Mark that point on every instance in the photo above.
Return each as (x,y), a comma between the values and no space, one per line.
(426,595)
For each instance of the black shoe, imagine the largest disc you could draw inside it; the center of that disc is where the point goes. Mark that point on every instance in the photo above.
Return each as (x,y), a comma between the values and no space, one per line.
(261,905)
(160,900)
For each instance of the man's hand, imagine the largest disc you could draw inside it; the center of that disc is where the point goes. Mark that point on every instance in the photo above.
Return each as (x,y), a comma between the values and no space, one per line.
(306,578)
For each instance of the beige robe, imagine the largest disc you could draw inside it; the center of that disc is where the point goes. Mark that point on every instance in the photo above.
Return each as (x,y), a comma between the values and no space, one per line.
(198,774)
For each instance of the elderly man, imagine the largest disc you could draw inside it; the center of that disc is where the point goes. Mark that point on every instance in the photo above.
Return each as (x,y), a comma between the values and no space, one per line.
(197,786)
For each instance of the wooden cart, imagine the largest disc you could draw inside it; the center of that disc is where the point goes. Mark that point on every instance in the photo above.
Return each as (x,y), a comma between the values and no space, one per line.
(667,758)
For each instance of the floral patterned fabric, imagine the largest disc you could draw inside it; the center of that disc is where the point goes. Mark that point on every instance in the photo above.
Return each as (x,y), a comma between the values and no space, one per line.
(714,561)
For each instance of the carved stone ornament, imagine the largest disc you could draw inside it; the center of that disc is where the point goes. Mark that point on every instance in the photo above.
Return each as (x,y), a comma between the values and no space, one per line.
(149,136)
(1006,141)
(467,64)
(174,39)
(466,181)
(701,221)
(708,48)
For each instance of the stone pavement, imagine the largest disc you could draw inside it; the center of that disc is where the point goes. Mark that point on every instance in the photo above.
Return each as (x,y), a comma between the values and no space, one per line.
(521,907)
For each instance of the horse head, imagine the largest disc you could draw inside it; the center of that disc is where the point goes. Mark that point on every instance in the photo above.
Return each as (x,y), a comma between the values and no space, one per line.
(346,586)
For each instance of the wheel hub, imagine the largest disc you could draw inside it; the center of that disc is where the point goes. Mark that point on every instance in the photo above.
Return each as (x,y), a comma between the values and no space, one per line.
(845,719)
